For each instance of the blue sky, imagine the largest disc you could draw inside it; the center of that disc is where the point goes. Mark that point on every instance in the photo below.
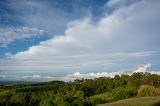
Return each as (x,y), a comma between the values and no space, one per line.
(61,39)
(50,16)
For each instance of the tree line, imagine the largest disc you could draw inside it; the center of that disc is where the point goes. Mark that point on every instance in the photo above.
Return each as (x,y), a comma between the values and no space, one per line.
(81,92)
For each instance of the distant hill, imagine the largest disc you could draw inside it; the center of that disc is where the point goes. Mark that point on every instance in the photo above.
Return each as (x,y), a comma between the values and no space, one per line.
(16,82)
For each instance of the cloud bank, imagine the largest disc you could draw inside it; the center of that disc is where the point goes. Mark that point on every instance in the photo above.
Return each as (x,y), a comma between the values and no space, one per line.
(77,75)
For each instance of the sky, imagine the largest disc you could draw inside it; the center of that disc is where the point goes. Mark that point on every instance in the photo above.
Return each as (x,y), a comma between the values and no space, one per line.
(44,40)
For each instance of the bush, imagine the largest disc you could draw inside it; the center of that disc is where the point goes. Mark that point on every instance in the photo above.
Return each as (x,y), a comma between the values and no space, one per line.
(101,98)
(146,90)
(77,102)
(87,102)
(123,93)
(96,101)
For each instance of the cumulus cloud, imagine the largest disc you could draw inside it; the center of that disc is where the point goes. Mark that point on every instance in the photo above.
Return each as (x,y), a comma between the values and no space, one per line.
(125,27)
(142,68)
(11,34)
(129,32)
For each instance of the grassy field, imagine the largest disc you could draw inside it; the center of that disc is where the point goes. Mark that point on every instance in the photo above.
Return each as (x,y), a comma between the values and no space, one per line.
(142,101)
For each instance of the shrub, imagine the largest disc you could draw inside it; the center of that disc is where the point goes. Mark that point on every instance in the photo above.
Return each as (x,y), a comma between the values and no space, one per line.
(123,93)
(87,102)
(77,102)
(146,90)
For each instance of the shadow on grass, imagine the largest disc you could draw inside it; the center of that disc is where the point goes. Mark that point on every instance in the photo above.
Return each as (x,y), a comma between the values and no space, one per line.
(156,104)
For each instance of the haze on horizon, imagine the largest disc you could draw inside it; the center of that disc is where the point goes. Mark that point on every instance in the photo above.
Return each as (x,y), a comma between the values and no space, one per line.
(43,40)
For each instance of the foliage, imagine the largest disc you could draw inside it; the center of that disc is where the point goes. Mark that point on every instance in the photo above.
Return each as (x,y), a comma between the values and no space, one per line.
(85,92)
(146,90)
(123,93)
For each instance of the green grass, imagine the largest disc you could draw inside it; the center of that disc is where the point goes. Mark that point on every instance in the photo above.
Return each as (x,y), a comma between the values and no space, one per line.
(141,101)
(102,95)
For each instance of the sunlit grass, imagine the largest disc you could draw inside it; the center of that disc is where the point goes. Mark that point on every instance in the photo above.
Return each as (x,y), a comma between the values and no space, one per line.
(142,101)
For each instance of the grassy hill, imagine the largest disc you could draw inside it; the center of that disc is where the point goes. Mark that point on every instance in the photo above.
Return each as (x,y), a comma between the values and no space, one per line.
(142,101)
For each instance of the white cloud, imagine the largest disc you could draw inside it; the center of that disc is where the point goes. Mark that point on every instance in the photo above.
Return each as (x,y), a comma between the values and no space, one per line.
(11,34)
(142,68)
(60,64)
(47,15)
(119,3)
(68,77)
(115,33)
(113,2)
(77,75)
(127,33)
